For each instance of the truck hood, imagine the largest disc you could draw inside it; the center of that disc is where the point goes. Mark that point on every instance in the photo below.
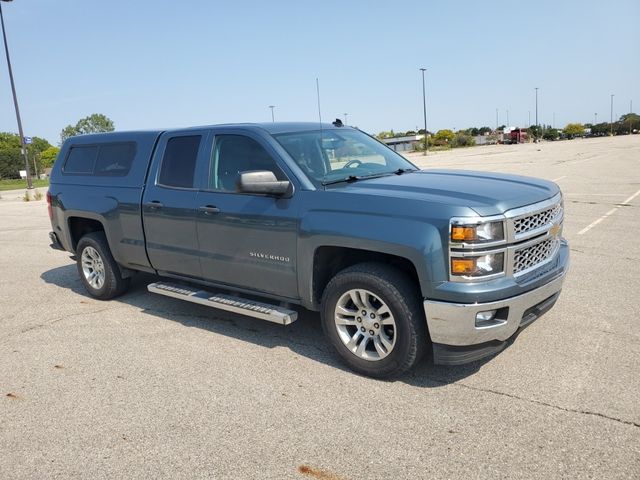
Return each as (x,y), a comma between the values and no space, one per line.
(487,193)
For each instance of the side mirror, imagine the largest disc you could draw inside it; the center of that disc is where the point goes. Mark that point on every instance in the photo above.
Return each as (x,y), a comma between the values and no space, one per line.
(263,182)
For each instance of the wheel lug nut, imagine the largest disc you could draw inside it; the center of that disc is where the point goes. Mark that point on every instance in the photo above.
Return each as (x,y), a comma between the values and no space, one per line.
(371,332)
(373,315)
(376,325)
(359,319)
(364,313)
(362,329)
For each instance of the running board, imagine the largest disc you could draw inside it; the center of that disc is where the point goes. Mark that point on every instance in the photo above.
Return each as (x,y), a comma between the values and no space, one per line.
(229,303)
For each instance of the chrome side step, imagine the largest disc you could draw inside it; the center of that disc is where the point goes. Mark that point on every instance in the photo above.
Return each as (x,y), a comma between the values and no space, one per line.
(229,303)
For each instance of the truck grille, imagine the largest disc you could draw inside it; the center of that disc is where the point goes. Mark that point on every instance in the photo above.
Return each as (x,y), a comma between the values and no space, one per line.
(537,220)
(534,255)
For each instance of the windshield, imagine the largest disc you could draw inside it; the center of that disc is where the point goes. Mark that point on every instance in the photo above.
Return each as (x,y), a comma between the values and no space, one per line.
(329,156)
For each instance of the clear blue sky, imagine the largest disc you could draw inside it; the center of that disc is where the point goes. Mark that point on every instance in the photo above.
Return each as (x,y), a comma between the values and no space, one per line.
(156,64)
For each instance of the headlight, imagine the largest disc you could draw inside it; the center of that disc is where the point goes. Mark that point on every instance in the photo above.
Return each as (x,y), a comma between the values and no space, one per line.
(477,266)
(479,233)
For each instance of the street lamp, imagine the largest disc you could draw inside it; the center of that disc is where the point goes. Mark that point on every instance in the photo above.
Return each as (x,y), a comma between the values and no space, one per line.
(273,119)
(536,106)
(611,123)
(15,99)
(424,109)
(595,121)
(346,116)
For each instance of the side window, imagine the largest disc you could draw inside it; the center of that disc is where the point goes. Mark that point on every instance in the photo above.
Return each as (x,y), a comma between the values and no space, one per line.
(233,154)
(115,160)
(81,160)
(179,161)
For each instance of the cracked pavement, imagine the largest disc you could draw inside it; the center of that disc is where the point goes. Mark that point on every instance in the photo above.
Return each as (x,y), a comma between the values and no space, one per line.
(150,387)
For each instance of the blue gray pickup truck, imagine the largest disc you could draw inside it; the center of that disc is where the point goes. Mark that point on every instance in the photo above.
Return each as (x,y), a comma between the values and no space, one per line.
(257,218)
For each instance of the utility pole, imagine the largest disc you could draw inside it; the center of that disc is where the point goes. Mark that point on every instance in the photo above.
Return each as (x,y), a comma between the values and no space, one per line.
(15,100)
(507,118)
(273,118)
(611,122)
(496,120)
(528,118)
(595,121)
(424,111)
(346,116)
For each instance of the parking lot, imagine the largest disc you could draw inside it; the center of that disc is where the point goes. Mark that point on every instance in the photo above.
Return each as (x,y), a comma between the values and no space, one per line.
(151,387)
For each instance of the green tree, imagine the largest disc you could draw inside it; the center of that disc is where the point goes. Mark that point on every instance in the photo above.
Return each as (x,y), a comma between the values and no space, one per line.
(551,134)
(628,122)
(462,140)
(94,123)
(443,137)
(484,130)
(48,156)
(574,130)
(385,134)
(535,131)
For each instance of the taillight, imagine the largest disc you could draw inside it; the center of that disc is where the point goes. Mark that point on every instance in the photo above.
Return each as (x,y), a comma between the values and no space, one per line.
(49,208)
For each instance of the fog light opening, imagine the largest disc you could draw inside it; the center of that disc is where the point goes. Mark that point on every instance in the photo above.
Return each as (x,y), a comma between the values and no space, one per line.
(487,318)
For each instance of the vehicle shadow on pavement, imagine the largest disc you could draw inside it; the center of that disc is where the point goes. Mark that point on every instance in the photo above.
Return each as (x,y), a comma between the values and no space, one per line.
(304,337)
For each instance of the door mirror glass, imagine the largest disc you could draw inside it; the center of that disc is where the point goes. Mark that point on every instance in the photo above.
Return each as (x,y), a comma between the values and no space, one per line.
(262,182)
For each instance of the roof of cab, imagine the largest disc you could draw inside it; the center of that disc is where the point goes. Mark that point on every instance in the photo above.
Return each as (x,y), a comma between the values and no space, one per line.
(272,128)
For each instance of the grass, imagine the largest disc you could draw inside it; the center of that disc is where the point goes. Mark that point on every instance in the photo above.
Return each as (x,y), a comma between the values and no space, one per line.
(20,184)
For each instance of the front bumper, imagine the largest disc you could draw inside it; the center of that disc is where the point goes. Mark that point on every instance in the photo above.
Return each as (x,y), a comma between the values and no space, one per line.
(456,338)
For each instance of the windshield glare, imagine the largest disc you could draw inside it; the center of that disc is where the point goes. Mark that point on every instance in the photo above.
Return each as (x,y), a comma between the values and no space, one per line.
(330,155)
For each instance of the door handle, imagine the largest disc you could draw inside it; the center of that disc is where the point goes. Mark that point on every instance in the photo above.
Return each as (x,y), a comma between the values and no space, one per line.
(209,209)
(154,204)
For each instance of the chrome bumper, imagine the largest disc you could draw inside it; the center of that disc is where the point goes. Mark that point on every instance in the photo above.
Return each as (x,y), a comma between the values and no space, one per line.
(455,323)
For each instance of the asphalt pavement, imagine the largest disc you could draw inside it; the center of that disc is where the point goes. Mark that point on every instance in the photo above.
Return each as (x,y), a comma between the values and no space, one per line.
(151,387)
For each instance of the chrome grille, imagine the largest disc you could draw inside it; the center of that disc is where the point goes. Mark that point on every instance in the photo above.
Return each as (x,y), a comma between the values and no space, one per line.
(532,256)
(537,220)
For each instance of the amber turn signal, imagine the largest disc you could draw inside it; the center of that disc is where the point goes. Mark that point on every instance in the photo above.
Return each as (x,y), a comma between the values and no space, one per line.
(462,266)
(463,234)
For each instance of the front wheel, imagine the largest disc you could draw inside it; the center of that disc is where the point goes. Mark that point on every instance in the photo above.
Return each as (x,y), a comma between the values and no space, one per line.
(98,270)
(372,315)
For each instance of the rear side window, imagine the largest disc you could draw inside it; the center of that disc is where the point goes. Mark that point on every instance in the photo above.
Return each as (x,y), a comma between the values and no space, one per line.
(81,160)
(115,160)
(179,161)
(109,159)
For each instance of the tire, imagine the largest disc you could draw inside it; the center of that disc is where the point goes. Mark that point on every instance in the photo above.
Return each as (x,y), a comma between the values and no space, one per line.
(394,343)
(98,270)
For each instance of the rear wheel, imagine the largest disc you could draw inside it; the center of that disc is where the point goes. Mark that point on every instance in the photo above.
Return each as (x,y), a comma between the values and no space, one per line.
(97,268)
(372,315)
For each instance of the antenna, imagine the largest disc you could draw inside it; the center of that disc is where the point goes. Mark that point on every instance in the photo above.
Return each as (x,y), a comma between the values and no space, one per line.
(318,95)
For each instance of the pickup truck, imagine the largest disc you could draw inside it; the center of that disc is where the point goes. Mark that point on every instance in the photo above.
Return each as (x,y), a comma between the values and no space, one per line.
(259,218)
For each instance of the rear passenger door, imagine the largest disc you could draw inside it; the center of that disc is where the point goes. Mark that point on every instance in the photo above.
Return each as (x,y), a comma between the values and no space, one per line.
(169,203)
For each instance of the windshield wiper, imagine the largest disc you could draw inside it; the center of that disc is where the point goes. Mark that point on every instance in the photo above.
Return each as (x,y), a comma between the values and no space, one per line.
(350,178)
(354,178)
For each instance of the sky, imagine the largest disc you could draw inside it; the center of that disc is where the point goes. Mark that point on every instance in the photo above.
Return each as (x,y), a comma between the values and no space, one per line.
(170,64)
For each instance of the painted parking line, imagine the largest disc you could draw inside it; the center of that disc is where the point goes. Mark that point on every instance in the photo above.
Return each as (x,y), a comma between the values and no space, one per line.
(559,178)
(610,212)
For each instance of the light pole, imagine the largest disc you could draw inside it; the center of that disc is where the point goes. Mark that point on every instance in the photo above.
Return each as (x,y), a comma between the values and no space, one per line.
(611,123)
(496,120)
(15,99)
(536,106)
(528,118)
(424,110)
(273,119)
(507,118)
(595,116)
(346,116)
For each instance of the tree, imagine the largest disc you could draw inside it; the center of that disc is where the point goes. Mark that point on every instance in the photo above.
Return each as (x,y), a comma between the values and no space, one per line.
(462,140)
(535,131)
(11,158)
(574,130)
(385,134)
(484,130)
(48,156)
(443,137)
(627,123)
(551,134)
(94,123)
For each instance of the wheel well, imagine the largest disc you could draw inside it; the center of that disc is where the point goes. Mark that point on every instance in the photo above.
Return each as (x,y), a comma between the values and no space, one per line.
(79,227)
(328,261)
